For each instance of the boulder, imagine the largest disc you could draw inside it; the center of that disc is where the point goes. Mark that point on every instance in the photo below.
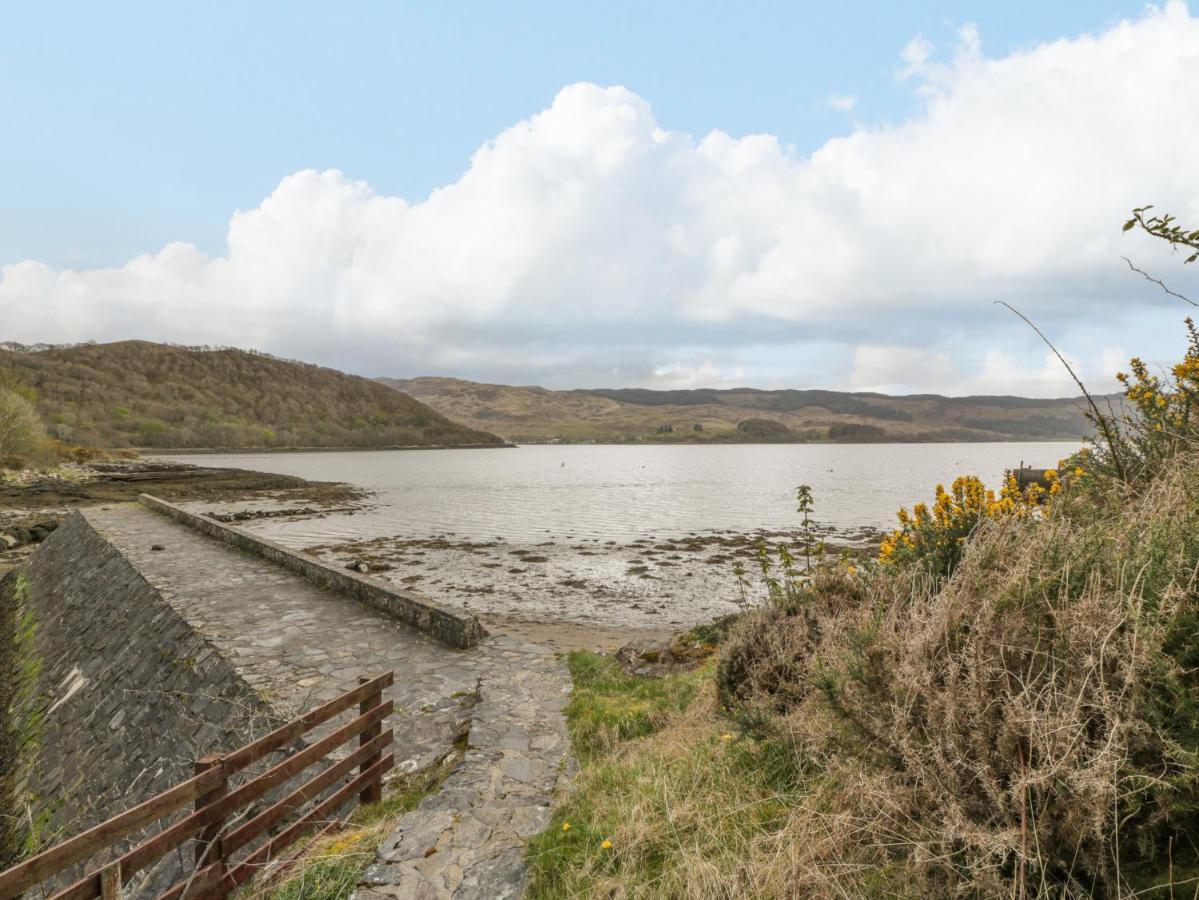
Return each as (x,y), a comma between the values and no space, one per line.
(653,659)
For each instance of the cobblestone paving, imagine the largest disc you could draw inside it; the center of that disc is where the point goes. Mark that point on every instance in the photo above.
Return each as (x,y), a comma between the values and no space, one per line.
(299,645)
(467,840)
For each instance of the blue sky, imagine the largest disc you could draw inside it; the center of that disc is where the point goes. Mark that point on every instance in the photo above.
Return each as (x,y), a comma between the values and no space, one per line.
(138,123)
(659,194)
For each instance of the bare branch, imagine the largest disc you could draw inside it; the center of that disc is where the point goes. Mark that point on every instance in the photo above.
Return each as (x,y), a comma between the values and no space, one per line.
(1158,282)
(1100,419)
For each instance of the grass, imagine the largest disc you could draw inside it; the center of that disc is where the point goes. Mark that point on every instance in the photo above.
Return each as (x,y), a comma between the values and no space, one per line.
(331,866)
(676,807)
(609,706)
(669,800)
(1027,726)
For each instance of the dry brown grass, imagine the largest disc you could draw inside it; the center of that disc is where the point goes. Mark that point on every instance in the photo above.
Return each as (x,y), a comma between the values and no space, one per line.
(1027,728)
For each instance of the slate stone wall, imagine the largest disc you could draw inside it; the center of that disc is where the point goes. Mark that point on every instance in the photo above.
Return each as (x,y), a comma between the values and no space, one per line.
(453,628)
(129,695)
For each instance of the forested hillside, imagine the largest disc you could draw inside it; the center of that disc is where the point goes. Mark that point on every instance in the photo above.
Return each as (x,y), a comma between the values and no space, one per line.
(141,394)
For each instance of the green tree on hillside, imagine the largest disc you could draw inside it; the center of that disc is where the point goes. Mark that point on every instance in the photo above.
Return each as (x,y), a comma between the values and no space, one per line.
(20,428)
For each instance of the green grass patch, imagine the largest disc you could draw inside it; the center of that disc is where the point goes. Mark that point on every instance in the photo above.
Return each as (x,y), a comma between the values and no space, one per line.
(609,706)
(670,809)
(21,721)
(331,870)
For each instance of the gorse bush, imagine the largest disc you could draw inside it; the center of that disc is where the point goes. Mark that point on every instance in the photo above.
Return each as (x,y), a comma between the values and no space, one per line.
(1164,414)
(1024,721)
(936,537)
(765,657)
(1030,721)
(1006,705)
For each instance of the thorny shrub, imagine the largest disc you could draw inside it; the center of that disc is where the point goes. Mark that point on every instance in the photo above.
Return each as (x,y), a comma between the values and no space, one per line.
(1009,700)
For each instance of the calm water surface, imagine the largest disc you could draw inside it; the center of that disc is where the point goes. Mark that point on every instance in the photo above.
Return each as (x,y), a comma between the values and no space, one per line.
(617,491)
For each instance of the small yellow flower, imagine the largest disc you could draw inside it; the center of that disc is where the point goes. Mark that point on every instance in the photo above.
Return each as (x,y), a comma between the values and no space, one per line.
(726,737)
(566,826)
(851,569)
(607,845)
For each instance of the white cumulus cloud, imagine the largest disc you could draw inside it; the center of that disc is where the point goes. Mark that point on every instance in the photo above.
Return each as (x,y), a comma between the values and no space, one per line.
(587,244)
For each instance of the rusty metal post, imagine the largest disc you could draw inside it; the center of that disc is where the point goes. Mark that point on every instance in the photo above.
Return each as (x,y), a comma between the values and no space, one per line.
(373,792)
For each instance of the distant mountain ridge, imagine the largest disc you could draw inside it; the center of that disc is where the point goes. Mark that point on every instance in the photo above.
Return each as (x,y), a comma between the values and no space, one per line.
(743,414)
(144,394)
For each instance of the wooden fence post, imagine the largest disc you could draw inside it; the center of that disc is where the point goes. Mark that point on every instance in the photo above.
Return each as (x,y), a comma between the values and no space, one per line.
(373,792)
(110,881)
(208,841)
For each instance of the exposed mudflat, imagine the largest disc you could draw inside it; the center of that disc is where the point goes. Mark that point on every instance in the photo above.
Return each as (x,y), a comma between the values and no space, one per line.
(565,592)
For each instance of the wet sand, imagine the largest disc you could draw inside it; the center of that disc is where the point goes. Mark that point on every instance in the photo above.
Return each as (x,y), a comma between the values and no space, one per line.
(565,592)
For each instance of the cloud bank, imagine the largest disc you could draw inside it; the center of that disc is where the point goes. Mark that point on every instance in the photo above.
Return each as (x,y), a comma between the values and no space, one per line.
(588,245)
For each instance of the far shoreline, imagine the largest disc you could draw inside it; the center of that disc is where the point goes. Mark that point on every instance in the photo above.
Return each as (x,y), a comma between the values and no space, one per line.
(516,444)
(215,451)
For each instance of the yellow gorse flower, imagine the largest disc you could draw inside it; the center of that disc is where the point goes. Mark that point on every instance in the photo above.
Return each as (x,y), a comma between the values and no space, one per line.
(955,512)
(1165,405)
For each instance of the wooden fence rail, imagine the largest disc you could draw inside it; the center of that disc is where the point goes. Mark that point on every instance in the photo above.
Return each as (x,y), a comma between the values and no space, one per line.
(216,872)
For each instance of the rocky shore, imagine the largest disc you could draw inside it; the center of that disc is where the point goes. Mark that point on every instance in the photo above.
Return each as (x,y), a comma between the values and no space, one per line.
(33,502)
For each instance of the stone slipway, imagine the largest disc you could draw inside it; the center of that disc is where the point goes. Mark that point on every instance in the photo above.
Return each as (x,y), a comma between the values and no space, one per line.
(454,628)
(295,645)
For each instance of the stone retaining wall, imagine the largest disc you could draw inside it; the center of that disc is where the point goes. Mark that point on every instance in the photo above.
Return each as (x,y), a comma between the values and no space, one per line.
(127,693)
(455,629)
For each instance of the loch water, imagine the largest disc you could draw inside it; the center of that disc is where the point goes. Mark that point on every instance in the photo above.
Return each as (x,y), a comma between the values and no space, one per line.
(622,492)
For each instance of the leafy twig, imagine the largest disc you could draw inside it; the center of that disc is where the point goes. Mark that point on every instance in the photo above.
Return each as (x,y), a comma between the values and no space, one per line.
(1164,227)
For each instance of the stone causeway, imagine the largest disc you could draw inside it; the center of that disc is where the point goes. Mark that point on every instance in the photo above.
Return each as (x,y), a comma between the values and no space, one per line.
(296,644)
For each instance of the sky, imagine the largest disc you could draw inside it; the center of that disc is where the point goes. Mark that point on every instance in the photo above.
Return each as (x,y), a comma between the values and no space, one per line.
(583,195)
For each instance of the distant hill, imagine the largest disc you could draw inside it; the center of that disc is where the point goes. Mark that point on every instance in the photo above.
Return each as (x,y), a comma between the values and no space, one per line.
(141,394)
(742,414)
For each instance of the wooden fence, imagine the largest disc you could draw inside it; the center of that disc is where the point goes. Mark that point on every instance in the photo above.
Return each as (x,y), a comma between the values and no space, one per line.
(218,870)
